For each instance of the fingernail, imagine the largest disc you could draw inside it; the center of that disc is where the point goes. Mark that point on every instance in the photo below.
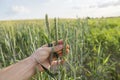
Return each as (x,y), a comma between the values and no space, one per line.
(61,46)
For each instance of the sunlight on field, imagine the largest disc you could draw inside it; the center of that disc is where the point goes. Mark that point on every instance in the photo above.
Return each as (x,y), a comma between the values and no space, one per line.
(94,46)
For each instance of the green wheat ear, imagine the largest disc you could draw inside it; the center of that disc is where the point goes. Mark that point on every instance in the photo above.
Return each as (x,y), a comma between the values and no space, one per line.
(49,41)
(65,41)
(48,27)
(56,30)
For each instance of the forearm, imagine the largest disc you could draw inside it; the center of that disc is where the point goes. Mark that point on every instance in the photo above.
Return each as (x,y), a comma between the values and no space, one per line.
(22,70)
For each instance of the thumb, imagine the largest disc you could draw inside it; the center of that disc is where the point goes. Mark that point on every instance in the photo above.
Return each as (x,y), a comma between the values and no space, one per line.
(58,48)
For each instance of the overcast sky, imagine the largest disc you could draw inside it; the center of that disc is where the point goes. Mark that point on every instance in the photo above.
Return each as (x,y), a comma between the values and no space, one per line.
(30,9)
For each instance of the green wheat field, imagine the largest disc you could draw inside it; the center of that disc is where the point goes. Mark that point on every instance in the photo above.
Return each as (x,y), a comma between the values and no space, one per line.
(94,45)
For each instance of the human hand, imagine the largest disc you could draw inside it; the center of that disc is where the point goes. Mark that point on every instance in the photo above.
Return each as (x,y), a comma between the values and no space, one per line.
(42,55)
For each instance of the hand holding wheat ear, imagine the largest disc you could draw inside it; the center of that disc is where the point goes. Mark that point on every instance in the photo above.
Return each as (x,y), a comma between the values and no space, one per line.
(42,54)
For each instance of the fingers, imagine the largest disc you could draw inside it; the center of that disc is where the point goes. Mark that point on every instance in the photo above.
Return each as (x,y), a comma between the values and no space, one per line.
(67,46)
(60,53)
(67,50)
(58,48)
(54,63)
(54,43)
(55,48)
(60,42)
(57,62)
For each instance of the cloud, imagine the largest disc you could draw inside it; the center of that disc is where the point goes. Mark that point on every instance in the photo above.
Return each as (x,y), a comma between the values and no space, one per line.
(15,12)
(20,10)
(111,3)
(108,3)
(25,9)
(76,7)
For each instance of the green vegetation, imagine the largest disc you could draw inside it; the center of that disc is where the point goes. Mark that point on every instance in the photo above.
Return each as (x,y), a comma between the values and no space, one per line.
(94,46)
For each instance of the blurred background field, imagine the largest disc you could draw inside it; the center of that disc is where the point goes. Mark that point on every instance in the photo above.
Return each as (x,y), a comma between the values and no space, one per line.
(94,46)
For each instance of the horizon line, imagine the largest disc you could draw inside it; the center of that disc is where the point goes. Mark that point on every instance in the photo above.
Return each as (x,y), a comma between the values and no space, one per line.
(58,17)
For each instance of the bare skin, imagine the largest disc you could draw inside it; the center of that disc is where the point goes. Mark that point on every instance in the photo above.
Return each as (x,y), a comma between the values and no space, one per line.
(25,69)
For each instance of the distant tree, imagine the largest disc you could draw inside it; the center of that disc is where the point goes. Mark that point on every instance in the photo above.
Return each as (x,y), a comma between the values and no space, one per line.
(88,17)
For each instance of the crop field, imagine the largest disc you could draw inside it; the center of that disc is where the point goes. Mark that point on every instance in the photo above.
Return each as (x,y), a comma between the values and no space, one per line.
(94,46)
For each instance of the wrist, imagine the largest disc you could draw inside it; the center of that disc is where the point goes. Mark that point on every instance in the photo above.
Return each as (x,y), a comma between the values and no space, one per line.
(33,59)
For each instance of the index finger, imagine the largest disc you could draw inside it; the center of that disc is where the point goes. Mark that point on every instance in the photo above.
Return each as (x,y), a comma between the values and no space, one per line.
(53,43)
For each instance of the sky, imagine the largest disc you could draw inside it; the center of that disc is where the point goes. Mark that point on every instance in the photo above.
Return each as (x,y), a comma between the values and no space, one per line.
(36,9)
